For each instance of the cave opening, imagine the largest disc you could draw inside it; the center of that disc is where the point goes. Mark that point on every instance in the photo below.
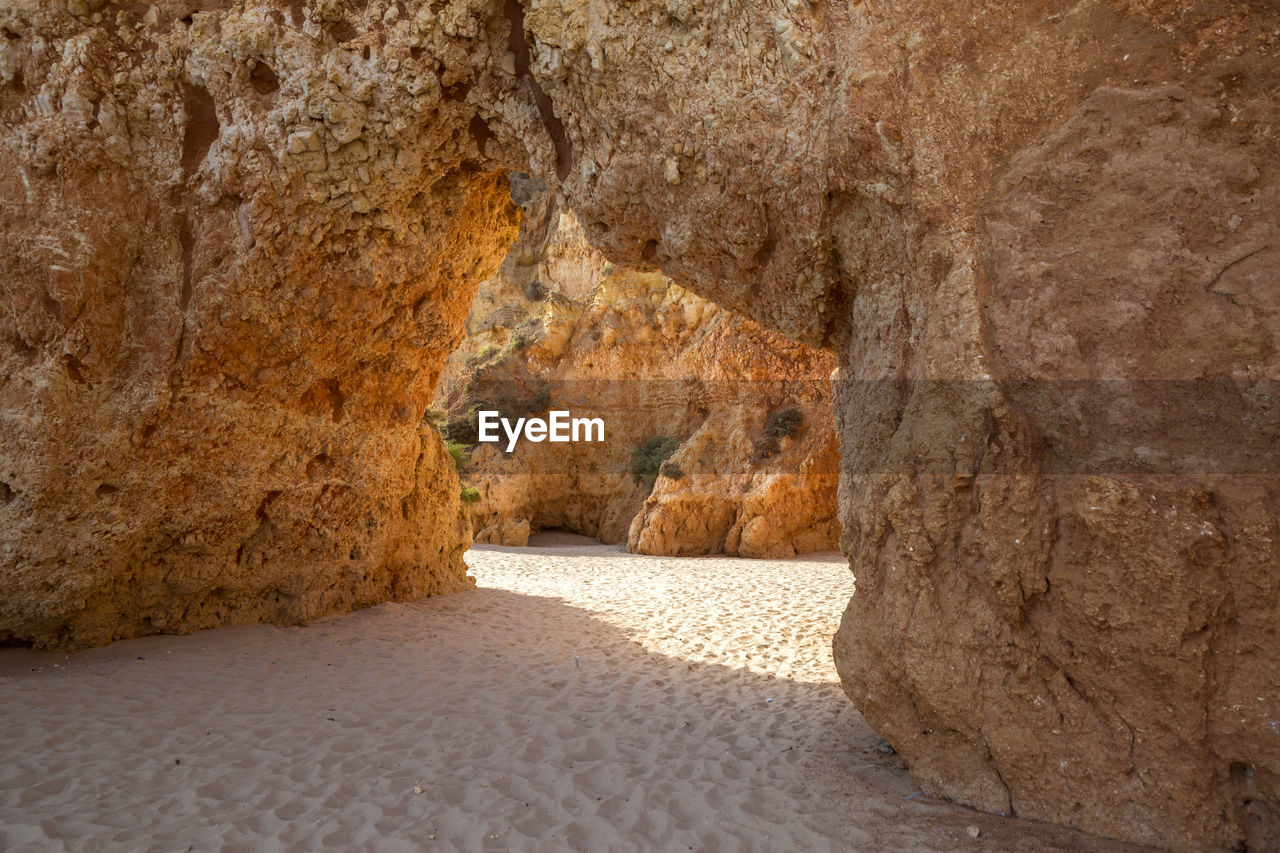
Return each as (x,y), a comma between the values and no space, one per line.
(717,434)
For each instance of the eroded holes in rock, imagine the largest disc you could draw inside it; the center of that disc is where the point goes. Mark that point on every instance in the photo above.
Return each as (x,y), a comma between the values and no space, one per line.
(265,504)
(105,490)
(6,493)
(765,252)
(325,397)
(53,306)
(480,132)
(9,34)
(342,31)
(74,368)
(415,53)
(456,92)
(263,80)
(367,53)
(649,251)
(202,127)
(317,467)
(22,349)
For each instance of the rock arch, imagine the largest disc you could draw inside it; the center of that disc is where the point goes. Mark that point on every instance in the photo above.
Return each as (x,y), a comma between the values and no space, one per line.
(229,293)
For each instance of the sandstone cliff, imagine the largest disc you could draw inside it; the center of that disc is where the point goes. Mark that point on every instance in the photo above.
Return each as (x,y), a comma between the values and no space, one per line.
(655,362)
(1064,609)
(218,331)
(242,234)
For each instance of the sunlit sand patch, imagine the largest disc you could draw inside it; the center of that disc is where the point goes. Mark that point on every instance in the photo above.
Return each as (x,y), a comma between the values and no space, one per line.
(580,699)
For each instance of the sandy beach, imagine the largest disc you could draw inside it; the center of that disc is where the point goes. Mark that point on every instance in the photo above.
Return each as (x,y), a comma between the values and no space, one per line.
(580,699)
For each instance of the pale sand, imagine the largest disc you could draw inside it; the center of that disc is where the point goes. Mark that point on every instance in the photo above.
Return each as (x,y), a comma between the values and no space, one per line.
(581,699)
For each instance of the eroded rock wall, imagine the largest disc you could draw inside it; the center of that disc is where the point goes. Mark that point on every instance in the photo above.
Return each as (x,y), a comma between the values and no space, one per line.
(1055,616)
(240,239)
(652,360)
(1063,591)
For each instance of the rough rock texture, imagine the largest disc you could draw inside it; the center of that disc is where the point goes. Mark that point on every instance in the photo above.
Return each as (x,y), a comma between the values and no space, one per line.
(1067,602)
(218,333)
(1055,617)
(652,360)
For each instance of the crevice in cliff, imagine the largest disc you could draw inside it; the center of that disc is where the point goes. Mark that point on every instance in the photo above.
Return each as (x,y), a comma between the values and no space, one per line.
(296,9)
(519,46)
(1010,809)
(202,127)
(186,242)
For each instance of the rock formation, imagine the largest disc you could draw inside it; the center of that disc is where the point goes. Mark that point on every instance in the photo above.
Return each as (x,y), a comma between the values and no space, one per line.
(239,247)
(975,206)
(241,235)
(653,361)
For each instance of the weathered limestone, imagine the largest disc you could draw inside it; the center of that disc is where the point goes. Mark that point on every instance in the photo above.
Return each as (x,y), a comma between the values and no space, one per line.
(241,236)
(1054,618)
(237,251)
(652,360)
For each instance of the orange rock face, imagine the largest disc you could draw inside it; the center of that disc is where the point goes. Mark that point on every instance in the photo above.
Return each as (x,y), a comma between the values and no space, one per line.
(241,238)
(1062,589)
(653,361)
(219,334)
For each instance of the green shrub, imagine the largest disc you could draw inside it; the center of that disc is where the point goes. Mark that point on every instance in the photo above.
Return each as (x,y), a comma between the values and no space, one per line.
(766,447)
(463,429)
(647,459)
(487,352)
(671,471)
(535,291)
(525,334)
(458,452)
(469,495)
(542,399)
